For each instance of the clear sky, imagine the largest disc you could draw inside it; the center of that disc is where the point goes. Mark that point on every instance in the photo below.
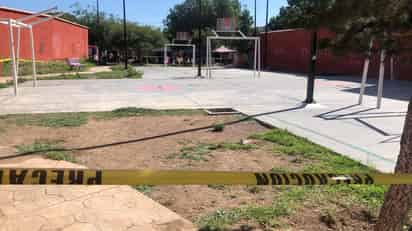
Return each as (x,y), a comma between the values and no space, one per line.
(150,12)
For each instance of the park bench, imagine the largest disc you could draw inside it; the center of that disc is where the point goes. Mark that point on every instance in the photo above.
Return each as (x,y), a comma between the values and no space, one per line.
(74,63)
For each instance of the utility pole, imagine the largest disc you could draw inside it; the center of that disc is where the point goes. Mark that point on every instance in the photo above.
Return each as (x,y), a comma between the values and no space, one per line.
(97,13)
(255,19)
(199,41)
(266,34)
(125,35)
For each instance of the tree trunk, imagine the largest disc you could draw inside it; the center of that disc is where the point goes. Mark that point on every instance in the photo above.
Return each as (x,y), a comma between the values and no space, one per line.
(398,199)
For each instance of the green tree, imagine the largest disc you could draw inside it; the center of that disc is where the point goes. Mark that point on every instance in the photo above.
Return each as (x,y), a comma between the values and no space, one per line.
(108,34)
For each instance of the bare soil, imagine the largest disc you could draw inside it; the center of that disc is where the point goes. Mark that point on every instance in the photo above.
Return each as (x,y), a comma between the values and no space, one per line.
(189,201)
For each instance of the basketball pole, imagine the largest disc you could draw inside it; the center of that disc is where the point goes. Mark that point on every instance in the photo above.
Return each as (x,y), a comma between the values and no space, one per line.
(125,36)
(255,19)
(266,34)
(199,42)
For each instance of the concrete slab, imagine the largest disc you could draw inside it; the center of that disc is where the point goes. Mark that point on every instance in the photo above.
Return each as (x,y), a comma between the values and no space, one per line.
(361,132)
(64,208)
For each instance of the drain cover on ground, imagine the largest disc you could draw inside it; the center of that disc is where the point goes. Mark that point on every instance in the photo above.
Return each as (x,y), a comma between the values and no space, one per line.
(221,111)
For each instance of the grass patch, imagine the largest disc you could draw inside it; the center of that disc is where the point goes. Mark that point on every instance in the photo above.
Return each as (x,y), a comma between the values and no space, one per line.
(145,189)
(218,128)
(49,149)
(53,120)
(116,73)
(200,152)
(25,67)
(134,111)
(56,120)
(265,216)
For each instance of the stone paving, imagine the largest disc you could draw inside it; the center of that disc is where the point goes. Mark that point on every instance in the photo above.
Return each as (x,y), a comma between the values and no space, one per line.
(66,208)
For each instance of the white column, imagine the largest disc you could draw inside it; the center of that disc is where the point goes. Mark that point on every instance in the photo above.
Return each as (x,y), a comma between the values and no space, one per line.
(33,58)
(18,49)
(13,57)
(259,57)
(381,79)
(194,56)
(255,58)
(365,73)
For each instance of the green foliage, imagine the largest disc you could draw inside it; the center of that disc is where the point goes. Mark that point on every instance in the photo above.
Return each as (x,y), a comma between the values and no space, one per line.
(135,111)
(51,149)
(218,128)
(108,34)
(145,189)
(25,67)
(130,73)
(201,151)
(263,215)
(325,159)
(303,14)
(52,120)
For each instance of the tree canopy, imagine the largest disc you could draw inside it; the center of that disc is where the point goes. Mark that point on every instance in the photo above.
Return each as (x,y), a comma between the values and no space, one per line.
(108,33)
(185,17)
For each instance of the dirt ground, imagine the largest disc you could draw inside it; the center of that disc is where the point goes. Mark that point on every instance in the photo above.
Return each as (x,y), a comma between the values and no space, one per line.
(189,201)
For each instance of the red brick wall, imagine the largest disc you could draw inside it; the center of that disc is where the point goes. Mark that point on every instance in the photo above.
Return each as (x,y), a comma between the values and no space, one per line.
(288,50)
(54,39)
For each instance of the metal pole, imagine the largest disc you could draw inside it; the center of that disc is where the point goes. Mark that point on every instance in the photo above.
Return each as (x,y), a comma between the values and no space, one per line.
(13,57)
(312,68)
(33,57)
(266,34)
(255,19)
(194,56)
(255,58)
(165,56)
(18,49)
(199,42)
(259,57)
(381,78)
(365,73)
(207,57)
(125,36)
(392,68)
(97,13)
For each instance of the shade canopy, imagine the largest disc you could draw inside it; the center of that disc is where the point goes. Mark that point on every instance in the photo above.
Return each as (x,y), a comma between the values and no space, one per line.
(224,49)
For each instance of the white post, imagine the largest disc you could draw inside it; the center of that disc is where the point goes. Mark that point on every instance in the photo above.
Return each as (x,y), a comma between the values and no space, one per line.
(255,58)
(165,56)
(210,59)
(365,74)
(259,57)
(18,49)
(33,58)
(381,78)
(392,68)
(194,56)
(13,57)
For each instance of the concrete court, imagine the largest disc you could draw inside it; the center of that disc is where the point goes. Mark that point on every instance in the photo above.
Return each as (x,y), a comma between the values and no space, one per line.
(360,132)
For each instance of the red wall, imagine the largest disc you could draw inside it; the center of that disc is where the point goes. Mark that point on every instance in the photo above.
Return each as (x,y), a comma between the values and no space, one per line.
(54,39)
(288,50)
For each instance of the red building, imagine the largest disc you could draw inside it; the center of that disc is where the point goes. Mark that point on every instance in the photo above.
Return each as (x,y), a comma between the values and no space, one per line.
(288,50)
(56,39)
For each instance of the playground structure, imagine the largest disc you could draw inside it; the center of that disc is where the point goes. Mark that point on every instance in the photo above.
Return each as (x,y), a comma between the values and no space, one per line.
(228,26)
(183,39)
(15,45)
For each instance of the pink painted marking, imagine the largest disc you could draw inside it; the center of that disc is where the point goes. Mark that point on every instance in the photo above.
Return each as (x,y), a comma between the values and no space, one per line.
(157,88)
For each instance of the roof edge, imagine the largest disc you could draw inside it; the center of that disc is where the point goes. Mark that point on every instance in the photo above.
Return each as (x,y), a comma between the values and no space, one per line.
(43,15)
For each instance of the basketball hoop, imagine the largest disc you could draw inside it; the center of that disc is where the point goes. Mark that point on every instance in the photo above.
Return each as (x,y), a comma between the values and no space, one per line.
(227,24)
(183,36)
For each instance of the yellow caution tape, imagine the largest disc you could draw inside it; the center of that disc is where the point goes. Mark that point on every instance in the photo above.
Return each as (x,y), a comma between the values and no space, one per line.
(20,60)
(24,176)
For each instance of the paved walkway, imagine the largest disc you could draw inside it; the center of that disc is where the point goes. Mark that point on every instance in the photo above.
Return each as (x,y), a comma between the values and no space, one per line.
(360,132)
(88,208)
